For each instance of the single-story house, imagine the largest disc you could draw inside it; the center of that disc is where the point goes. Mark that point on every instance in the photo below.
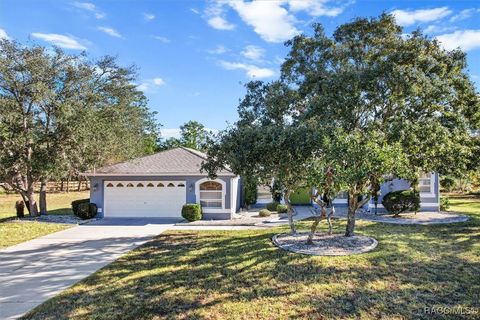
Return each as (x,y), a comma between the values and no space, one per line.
(159,185)
(429,188)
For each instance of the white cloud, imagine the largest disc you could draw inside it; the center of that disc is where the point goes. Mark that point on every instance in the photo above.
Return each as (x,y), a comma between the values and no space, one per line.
(273,20)
(4,35)
(60,40)
(251,70)
(315,8)
(268,18)
(463,39)
(433,28)
(218,50)
(407,18)
(220,23)
(464,14)
(90,7)
(161,39)
(150,83)
(253,52)
(194,10)
(158,82)
(110,31)
(148,16)
(170,133)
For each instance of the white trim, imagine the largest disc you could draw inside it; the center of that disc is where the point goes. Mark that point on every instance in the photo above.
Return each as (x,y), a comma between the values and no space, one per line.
(233,194)
(431,193)
(224,190)
(340,201)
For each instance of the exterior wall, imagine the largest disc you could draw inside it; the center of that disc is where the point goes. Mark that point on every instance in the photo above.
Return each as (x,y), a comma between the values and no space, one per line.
(97,188)
(428,202)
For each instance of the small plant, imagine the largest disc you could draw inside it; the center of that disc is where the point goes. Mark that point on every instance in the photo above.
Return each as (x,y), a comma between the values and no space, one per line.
(86,210)
(76,203)
(444,203)
(264,213)
(281,208)
(192,212)
(272,206)
(397,202)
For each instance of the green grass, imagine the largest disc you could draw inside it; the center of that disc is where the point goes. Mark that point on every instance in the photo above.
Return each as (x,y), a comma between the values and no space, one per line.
(241,275)
(58,203)
(13,231)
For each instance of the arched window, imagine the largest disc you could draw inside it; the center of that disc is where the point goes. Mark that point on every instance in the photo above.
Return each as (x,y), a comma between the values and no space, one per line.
(160,185)
(109,185)
(181,185)
(119,185)
(150,185)
(170,185)
(130,185)
(140,185)
(211,195)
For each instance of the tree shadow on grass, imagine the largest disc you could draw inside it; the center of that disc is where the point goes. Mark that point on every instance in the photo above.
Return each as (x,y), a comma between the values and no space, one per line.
(218,275)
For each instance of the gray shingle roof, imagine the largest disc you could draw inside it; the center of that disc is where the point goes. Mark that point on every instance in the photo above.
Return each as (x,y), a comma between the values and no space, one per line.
(175,161)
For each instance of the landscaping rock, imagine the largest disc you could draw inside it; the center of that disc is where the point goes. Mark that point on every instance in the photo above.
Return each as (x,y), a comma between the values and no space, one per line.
(324,244)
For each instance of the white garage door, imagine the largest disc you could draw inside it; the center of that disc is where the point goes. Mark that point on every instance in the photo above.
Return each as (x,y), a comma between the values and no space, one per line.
(144,198)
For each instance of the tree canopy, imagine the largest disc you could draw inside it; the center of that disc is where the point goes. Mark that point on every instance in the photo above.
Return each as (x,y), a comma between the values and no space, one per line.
(375,102)
(63,114)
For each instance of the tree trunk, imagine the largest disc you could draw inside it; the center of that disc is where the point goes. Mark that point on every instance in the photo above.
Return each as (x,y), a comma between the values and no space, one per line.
(68,183)
(32,205)
(79,188)
(315,224)
(43,197)
(329,219)
(286,198)
(352,208)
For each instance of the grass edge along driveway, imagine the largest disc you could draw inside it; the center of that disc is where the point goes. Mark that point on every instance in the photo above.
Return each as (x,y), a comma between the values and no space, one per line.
(241,275)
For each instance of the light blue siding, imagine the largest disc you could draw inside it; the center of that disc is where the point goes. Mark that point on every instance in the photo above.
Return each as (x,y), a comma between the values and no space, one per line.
(97,188)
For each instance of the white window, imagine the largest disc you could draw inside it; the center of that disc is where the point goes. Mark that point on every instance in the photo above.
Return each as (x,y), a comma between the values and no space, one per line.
(426,184)
(211,195)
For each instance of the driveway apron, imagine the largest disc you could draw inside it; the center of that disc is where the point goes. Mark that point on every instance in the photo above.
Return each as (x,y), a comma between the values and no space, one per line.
(36,270)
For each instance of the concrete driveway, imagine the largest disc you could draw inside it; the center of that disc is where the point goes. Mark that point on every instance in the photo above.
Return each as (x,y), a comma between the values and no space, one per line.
(34,271)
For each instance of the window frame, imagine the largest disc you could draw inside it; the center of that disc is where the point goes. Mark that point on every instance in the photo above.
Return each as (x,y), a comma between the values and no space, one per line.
(431,192)
(223,192)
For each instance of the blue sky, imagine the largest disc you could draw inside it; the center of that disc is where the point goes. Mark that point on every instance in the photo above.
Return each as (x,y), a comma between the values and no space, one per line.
(194,56)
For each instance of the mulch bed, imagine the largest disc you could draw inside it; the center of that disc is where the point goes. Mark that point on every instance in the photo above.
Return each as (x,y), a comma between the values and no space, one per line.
(324,244)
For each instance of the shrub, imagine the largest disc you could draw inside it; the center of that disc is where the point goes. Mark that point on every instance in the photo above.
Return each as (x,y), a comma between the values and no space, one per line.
(86,210)
(281,208)
(192,212)
(400,201)
(444,203)
(272,206)
(76,203)
(264,213)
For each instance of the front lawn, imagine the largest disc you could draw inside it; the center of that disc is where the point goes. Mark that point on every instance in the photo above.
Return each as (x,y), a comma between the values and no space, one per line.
(13,231)
(241,275)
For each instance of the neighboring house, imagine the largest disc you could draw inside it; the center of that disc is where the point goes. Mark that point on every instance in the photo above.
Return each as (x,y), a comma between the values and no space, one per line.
(160,184)
(429,188)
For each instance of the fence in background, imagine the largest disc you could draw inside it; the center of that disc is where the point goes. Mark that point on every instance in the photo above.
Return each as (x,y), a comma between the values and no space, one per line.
(65,186)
